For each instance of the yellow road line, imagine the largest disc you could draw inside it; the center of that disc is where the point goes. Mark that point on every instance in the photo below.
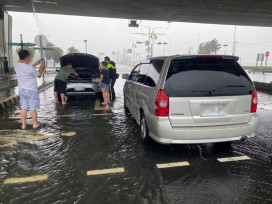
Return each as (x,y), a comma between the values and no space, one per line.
(4,130)
(229,159)
(97,104)
(63,116)
(98,107)
(105,171)
(170,165)
(68,134)
(101,114)
(26,179)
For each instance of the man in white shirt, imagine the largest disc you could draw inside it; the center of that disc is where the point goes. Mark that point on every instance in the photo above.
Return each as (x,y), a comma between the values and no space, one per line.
(28,88)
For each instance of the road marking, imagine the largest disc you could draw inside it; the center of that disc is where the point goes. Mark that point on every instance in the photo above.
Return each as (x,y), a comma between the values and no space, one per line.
(229,159)
(105,171)
(101,114)
(98,107)
(15,136)
(9,143)
(26,179)
(4,130)
(170,165)
(68,134)
(64,116)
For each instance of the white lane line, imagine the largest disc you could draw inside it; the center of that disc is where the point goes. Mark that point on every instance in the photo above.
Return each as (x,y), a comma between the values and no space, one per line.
(101,114)
(105,171)
(170,165)
(26,179)
(229,159)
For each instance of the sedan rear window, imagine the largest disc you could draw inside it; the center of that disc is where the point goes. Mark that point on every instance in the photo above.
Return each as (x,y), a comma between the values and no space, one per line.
(201,77)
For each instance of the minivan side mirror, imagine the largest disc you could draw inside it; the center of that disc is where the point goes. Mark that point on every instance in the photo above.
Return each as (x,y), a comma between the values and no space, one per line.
(125,76)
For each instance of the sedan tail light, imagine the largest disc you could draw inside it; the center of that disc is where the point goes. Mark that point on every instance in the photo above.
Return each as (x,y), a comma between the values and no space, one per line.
(254,101)
(162,104)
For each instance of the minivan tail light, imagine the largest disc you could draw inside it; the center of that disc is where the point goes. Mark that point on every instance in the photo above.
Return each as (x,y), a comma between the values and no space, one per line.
(162,104)
(254,101)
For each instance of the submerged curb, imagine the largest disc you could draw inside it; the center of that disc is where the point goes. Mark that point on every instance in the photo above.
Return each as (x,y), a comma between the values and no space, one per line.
(13,100)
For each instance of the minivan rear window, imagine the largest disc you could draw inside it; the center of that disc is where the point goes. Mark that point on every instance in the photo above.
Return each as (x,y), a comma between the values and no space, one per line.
(201,77)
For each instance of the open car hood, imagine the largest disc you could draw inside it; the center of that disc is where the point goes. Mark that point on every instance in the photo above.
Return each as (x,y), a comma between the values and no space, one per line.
(80,60)
(85,65)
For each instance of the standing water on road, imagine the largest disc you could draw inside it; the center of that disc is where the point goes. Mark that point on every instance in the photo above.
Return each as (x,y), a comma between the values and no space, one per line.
(106,138)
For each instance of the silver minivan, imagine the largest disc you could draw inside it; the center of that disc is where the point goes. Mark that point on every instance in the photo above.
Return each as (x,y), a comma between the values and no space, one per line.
(187,99)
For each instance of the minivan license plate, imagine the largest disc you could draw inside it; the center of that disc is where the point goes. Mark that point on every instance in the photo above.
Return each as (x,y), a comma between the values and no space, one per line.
(212,110)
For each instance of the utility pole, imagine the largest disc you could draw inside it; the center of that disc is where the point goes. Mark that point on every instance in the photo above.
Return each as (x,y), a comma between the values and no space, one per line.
(234,42)
(150,45)
(22,44)
(86,46)
(170,46)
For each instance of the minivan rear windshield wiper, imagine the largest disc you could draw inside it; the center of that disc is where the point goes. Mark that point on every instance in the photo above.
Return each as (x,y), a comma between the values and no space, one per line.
(212,92)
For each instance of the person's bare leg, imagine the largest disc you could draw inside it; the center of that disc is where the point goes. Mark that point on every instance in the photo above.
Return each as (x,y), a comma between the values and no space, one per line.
(108,95)
(104,96)
(34,117)
(62,99)
(23,118)
(56,97)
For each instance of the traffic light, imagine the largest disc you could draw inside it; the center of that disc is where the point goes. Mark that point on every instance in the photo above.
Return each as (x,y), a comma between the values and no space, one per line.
(133,23)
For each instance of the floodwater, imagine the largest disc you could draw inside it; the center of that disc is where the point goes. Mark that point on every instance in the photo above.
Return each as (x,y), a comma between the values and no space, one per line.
(105,139)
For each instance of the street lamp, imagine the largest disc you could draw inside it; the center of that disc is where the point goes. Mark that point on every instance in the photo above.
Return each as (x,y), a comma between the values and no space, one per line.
(85,45)
(225,45)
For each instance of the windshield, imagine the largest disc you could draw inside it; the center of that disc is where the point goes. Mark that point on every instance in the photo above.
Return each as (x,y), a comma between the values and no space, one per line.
(198,77)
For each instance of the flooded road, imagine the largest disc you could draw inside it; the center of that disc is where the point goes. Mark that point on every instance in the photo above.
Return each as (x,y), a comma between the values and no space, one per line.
(83,137)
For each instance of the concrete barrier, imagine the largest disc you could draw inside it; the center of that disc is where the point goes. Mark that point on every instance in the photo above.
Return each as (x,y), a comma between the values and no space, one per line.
(265,87)
(13,100)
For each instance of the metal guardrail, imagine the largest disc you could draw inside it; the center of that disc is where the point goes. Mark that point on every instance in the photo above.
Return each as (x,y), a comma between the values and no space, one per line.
(260,70)
(265,87)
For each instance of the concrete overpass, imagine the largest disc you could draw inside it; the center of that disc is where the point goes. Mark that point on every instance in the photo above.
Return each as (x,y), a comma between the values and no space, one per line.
(243,12)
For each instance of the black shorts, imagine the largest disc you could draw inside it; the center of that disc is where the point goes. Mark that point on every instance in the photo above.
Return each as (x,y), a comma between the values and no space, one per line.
(59,86)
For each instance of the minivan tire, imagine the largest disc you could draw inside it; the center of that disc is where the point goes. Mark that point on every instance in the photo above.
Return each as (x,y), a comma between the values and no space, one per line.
(145,137)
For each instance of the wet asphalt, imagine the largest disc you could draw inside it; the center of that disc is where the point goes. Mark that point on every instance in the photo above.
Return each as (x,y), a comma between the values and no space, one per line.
(107,139)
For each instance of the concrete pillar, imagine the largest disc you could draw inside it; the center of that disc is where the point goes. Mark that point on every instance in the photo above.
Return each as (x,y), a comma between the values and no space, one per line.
(5,35)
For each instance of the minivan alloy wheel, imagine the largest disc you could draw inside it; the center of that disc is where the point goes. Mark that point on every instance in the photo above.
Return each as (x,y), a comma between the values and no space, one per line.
(145,138)
(143,128)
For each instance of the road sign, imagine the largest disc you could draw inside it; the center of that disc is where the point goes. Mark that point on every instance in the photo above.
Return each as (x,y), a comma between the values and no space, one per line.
(267,54)
(24,44)
(260,57)
(45,48)
(41,40)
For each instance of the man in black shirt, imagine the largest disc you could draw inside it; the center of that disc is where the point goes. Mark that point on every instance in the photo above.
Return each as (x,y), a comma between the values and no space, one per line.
(113,76)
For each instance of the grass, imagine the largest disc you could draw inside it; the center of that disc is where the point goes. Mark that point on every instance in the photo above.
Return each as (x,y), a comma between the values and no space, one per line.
(254,67)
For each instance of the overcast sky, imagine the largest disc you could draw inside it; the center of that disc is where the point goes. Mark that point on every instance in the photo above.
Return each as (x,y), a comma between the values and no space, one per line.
(107,35)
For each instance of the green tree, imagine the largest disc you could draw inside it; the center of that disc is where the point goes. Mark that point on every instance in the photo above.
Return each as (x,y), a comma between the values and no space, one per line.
(30,49)
(57,52)
(54,54)
(48,53)
(72,50)
(209,47)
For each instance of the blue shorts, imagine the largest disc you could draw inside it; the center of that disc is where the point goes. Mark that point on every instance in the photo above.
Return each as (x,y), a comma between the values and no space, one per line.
(104,86)
(29,100)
